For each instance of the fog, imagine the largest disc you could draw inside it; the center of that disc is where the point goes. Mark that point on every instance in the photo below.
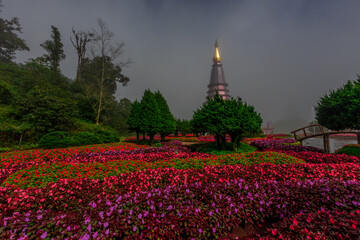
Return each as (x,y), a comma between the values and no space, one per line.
(280,56)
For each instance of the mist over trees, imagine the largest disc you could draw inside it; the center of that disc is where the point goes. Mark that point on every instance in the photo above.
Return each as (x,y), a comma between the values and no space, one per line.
(36,98)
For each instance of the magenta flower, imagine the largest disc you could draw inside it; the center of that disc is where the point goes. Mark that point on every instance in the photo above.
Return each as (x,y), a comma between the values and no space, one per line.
(134,228)
(43,235)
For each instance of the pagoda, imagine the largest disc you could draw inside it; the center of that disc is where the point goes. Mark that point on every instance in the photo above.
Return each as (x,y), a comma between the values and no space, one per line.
(217,79)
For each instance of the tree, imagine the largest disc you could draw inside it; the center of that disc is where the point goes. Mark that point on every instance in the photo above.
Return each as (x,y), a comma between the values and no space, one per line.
(54,49)
(167,122)
(46,112)
(340,109)
(10,42)
(81,39)
(134,120)
(221,117)
(107,53)
(183,126)
(150,115)
(119,114)
(99,93)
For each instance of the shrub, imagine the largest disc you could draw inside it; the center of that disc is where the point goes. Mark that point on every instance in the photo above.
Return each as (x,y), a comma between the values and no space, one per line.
(58,139)
(61,139)
(351,150)
(85,138)
(107,136)
(211,148)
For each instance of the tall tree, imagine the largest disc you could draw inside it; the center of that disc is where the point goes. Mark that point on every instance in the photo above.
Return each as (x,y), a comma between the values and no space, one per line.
(150,115)
(80,42)
(339,110)
(108,52)
(10,42)
(167,120)
(54,49)
(134,120)
(232,116)
(94,90)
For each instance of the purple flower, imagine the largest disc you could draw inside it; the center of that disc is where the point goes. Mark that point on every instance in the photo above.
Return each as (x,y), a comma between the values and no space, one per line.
(101,214)
(68,228)
(107,232)
(140,216)
(169,207)
(39,217)
(200,230)
(210,213)
(27,219)
(89,228)
(131,211)
(43,235)
(214,229)
(213,204)
(85,237)
(106,225)
(95,235)
(134,228)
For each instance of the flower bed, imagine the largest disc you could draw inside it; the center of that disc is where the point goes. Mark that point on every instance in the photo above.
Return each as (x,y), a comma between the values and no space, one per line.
(99,166)
(15,161)
(132,192)
(278,144)
(315,157)
(200,203)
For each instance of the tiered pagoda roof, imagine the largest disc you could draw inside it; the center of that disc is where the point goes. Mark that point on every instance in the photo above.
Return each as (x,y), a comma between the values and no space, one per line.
(217,79)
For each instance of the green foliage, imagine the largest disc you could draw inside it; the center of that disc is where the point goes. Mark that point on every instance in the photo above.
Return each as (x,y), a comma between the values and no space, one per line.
(58,139)
(54,49)
(183,126)
(107,136)
(211,149)
(61,139)
(150,115)
(119,115)
(221,117)
(340,109)
(5,94)
(10,42)
(134,120)
(46,112)
(167,122)
(351,150)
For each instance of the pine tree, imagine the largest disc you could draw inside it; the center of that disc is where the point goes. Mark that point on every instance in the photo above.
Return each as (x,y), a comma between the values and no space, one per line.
(134,120)
(167,121)
(150,115)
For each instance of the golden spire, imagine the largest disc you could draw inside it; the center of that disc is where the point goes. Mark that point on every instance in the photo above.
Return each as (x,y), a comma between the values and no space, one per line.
(216,58)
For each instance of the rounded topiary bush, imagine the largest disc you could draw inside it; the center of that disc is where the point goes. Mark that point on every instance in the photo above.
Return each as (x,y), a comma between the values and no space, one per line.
(58,139)
(107,136)
(86,138)
(351,150)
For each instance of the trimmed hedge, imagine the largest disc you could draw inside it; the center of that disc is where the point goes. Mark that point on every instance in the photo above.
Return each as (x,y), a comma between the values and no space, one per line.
(60,139)
(351,150)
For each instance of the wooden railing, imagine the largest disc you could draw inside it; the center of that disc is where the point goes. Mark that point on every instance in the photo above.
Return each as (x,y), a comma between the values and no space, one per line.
(325,134)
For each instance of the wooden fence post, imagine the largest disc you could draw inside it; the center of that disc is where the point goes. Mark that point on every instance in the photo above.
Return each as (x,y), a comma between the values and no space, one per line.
(326,143)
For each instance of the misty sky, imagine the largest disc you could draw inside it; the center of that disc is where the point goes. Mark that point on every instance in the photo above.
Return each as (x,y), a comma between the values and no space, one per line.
(279,56)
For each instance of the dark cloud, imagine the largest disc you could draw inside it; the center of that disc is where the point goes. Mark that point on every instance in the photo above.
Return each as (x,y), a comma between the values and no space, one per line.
(279,56)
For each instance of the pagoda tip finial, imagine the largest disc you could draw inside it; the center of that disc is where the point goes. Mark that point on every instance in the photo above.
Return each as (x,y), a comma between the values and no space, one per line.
(216,58)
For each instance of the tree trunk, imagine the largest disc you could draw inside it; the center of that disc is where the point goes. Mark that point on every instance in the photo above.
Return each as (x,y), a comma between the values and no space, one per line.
(218,143)
(151,138)
(101,91)
(144,136)
(137,135)
(162,137)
